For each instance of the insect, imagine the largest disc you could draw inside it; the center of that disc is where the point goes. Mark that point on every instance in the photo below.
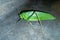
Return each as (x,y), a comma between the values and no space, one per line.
(35,15)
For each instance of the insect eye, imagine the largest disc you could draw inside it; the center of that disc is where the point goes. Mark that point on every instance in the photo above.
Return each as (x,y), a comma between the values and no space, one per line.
(36,15)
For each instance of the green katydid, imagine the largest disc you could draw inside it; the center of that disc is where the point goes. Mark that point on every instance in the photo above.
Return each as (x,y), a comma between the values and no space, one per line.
(31,15)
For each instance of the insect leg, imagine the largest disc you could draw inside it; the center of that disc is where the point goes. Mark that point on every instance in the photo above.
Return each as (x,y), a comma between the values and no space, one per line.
(18,15)
(18,20)
(41,26)
(31,15)
(30,22)
(39,21)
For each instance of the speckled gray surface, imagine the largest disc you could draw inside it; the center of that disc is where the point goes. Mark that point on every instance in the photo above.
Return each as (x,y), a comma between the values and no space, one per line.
(10,30)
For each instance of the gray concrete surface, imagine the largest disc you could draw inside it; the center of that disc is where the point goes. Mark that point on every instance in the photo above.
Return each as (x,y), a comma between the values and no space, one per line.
(10,30)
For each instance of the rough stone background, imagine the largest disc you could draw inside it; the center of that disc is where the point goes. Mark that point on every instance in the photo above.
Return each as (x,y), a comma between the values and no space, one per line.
(10,30)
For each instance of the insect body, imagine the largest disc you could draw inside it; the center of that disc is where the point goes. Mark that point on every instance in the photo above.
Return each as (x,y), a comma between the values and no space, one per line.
(33,15)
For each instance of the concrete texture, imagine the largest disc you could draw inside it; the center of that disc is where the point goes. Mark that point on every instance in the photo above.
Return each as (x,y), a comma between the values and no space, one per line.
(23,30)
